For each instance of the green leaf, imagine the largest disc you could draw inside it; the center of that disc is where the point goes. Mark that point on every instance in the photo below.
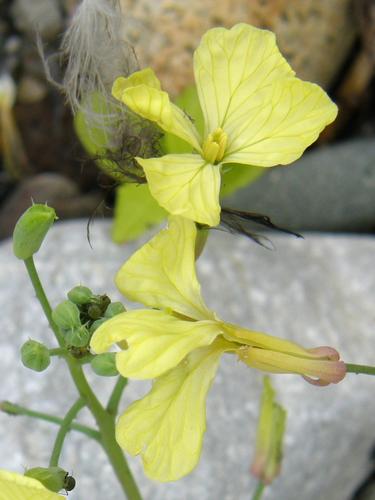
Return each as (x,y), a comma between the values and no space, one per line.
(135,211)
(94,131)
(234,176)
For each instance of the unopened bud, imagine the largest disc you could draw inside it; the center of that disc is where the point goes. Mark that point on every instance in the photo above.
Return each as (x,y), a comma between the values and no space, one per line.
(113,309)
(105,364)
(35,356)
(53,478)
(80,295)
(94,311)
(269,443)
(66,316)
(78,337)
(31,230)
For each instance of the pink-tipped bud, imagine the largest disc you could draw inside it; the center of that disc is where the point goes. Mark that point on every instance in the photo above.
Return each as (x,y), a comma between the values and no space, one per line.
(319,366)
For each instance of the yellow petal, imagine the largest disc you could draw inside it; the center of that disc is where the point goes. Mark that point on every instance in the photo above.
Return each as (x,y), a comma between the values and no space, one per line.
(186,185)
(167,426)
(241,335)
(230,66)
(156,341)
(141,93)
(162,275)
(15,486)
(145,76)
(280,122)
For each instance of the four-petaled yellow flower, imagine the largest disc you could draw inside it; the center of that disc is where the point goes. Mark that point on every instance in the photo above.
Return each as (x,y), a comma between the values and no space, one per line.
(15,486)
(256,112)
(179,343)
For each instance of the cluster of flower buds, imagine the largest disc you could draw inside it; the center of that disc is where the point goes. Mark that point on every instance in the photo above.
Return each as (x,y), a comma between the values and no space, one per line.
(77,318)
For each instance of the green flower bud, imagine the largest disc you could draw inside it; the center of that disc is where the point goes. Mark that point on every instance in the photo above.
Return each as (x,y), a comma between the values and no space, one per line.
(270,434)
(105,364)
(113,309)
(78,337)
(35,356)
(80,295)
(66,316)
(31,230)
(96,324)
(104,302)
(94,311)
(53,478)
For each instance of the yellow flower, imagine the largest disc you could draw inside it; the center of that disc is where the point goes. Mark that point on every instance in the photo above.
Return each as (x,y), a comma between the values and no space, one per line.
(256,112)
(15,486)
(179,342)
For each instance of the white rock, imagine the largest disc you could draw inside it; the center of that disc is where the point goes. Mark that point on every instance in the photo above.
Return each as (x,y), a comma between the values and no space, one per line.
(319,291)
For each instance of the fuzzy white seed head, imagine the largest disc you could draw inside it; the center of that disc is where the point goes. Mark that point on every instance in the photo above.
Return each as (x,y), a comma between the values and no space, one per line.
(95,51)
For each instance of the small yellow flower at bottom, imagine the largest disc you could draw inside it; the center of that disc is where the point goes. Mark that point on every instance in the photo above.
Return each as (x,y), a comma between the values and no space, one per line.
(179,343)
(14,486)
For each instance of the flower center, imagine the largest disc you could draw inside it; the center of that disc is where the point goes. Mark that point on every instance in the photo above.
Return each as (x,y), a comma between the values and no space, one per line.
(214,146)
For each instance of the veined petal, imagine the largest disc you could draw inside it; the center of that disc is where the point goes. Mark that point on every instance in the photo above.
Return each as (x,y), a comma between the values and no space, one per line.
(236,333)
(157,341)
(184,184)
(167,426)
(282,120)
(230,66)
(145,76)
(161,274)
(15,486)
(141,93)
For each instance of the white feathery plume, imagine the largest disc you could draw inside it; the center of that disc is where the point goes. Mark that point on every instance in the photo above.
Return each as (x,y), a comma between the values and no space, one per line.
(95,51)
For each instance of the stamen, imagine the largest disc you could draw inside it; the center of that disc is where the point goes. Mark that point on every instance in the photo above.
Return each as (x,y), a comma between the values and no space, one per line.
(214,146)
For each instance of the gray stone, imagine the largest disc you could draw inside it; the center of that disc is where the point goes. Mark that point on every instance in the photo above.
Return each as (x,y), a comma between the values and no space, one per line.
(42,16)
(329,189)
(317,291)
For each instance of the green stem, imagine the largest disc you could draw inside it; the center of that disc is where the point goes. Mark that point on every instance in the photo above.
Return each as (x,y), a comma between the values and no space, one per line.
(115,397)
(57,351)
(259,491)
(63,431)
(365,369)
(200,242)
(103,419)
(13,409)
(41,296)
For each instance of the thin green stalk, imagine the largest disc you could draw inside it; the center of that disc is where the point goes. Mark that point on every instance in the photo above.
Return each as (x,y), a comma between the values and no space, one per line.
(200,242)
(115,397)
(106,426)
(103,419)
(63,431)
(13,409)
(57,351)
(259,491)
(41,296)
(364,369)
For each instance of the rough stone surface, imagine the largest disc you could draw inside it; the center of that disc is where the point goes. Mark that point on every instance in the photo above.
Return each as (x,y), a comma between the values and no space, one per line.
(314,36)
(44,16)
(317,291)
(330,189)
